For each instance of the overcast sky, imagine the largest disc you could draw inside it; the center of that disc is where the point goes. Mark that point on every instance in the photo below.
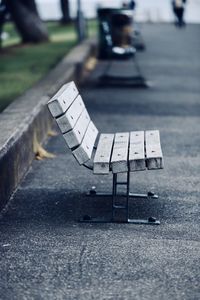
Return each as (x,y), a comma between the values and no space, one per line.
(151,10)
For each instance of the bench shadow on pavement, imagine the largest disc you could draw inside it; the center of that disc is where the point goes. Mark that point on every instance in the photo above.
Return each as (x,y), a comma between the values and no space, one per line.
(61,207)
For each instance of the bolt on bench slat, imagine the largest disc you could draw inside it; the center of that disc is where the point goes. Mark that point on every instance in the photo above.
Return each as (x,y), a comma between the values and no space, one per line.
(136,151)
(154,157)
(63,99)
(103,154)
(67,121)
(84,152)
(74,137)
(120,153)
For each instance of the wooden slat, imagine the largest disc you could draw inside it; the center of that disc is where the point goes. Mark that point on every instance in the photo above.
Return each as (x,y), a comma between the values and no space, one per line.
(136,151)
(67,121)
(103,154)
(153,150)
(120,153)
(61,101)
(74,137)
(84,152)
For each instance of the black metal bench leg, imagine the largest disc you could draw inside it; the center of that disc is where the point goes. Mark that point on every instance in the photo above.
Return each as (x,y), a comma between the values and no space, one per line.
(128,195)
(114,192)
(140,79)
(134,80)
(104,75)
(150,220)
(93,193)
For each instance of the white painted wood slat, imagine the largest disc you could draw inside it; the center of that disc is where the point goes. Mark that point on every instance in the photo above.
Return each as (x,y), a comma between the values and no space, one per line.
(74,137)
(120,153)
(136,151)
(67,121)
(154,157)
(103,154)
(61,101)
(84,152)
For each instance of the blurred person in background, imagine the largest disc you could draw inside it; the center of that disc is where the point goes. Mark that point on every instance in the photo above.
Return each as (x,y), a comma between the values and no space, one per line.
(132,4)
(129,4)
(178,9)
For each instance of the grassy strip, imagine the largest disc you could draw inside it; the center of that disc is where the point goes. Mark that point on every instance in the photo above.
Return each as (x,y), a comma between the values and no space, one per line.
(23,65)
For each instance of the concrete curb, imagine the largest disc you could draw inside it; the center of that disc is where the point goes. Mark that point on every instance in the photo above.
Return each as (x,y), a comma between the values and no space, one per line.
(28,118)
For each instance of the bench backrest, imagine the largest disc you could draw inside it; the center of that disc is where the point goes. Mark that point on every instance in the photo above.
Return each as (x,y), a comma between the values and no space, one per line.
(69,111)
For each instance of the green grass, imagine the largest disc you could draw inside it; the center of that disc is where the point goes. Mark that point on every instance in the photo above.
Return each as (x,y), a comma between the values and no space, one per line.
(23,65)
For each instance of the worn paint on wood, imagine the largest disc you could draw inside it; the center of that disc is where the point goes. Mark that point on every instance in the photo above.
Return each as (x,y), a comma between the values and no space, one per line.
(67,121)
(136,151)
(61,101)
(103,154)
(74,137)
(120,153)
(154,157)
(84,152)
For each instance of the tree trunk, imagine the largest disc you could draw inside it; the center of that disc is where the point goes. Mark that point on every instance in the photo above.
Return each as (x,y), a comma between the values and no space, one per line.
(31,5)
(29,25)
(64,4)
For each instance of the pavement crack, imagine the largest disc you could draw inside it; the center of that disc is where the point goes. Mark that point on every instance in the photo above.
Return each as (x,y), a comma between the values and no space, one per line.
(80,262)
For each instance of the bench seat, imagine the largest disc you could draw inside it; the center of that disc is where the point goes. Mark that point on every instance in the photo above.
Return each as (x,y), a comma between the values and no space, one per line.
(128,151)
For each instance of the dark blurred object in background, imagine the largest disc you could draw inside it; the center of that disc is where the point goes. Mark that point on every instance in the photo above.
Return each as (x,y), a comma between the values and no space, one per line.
(120,24)
(129,4)
(25,15)
(81,23)
(132,4)
(3,15)
(122,28)
(178,9)
(64,5)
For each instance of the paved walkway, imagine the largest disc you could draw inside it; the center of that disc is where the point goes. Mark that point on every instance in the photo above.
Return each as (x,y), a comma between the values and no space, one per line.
(46,254)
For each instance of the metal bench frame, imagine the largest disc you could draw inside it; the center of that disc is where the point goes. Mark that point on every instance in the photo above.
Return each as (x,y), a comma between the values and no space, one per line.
(114,195)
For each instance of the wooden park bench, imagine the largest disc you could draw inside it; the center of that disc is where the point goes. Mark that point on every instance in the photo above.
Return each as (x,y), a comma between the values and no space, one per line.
(104,153)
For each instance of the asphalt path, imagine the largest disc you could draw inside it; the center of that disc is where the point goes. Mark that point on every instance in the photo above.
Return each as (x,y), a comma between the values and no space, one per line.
(47,254)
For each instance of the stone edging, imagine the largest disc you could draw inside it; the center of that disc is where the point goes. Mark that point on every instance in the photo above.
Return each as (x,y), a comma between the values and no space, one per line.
(28,117)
